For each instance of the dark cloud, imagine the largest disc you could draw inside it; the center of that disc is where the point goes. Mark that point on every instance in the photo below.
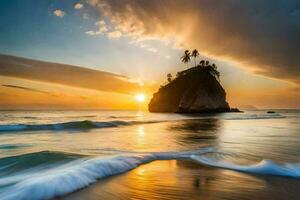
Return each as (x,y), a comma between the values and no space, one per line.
(64,74)
(25,88)
(261,34)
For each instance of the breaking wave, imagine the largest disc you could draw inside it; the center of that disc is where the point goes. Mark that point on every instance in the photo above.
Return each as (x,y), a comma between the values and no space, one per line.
(68,172)
(264,167)
(88,124)
(60,179)
(72,125)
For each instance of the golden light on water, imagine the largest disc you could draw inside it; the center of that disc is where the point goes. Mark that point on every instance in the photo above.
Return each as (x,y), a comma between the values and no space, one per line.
(140,97)
(141,130)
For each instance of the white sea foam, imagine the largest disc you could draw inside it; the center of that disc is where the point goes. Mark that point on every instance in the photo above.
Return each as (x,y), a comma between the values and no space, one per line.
(58,181)
(67,178)
(265,167)
(78,174)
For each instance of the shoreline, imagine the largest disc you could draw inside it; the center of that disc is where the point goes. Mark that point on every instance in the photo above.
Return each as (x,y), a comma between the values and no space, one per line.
(184,179)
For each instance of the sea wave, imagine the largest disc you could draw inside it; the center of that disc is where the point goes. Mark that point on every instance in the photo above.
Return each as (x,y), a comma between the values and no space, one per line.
(256,116)
(69,177)
(33,161)
(88,124)
(13,146)
(81,171)
(72,125)
(264,167)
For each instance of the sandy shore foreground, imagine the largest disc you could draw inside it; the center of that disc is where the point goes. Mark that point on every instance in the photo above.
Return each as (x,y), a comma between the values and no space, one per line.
(188,180)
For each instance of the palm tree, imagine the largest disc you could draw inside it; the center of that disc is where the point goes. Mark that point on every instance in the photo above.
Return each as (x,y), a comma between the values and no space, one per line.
(214,71)
(201,63)
(186,58)
(214,66)
(169,77)
(206,63)
(195,54)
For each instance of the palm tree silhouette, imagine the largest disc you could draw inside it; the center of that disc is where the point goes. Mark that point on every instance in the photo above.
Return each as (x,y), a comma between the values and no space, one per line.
(186,58)
(201,63)
(169,77)
(206,63)
(214,71)
(214,66)
(195,54)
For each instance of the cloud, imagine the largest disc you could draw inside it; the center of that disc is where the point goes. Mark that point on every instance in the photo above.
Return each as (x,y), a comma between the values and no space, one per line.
(59,13)
(25,88)
(93,2)
(101,26)
(261,35)
(100,23)
(85,16)
(142,45)
(69,75)
(78,6)
(114,34)
(103,29)
(92,33)
(151,49)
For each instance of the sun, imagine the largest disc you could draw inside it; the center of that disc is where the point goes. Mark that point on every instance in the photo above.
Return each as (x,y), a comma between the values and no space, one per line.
(140,97)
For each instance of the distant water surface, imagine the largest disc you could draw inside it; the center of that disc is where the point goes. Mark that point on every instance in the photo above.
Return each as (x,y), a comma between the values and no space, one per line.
(45,154)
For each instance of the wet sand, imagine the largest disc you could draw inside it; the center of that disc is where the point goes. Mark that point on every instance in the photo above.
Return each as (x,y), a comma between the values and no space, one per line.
(188,180)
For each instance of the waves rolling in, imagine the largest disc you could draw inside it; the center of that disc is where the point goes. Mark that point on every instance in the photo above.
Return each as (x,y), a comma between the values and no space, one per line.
(72,125)
(264,167)
(88,124)
(54,174)
(63,179)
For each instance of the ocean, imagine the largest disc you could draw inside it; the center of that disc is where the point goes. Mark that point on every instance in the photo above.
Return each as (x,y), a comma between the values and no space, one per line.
(139,155)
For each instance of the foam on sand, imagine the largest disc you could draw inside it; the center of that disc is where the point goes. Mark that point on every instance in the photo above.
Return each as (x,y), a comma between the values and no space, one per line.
(57,180)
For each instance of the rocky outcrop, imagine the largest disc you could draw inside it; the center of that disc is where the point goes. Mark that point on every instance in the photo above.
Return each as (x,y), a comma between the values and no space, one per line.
(195,90)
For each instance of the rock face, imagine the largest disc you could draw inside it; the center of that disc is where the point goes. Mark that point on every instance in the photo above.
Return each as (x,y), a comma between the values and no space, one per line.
(195,90)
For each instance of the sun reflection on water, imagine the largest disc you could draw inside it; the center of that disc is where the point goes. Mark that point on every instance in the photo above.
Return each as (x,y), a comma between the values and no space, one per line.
(141,131)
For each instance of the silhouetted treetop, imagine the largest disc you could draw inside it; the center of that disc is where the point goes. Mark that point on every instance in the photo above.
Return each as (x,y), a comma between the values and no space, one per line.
(195,54)
(186,58)
(169,77)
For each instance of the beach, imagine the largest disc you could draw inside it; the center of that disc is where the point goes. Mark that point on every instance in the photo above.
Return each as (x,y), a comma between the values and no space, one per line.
(149,99)
(187,180)
(141,155)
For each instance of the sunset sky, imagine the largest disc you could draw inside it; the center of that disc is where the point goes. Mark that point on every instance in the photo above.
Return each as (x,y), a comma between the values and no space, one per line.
(255,45)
